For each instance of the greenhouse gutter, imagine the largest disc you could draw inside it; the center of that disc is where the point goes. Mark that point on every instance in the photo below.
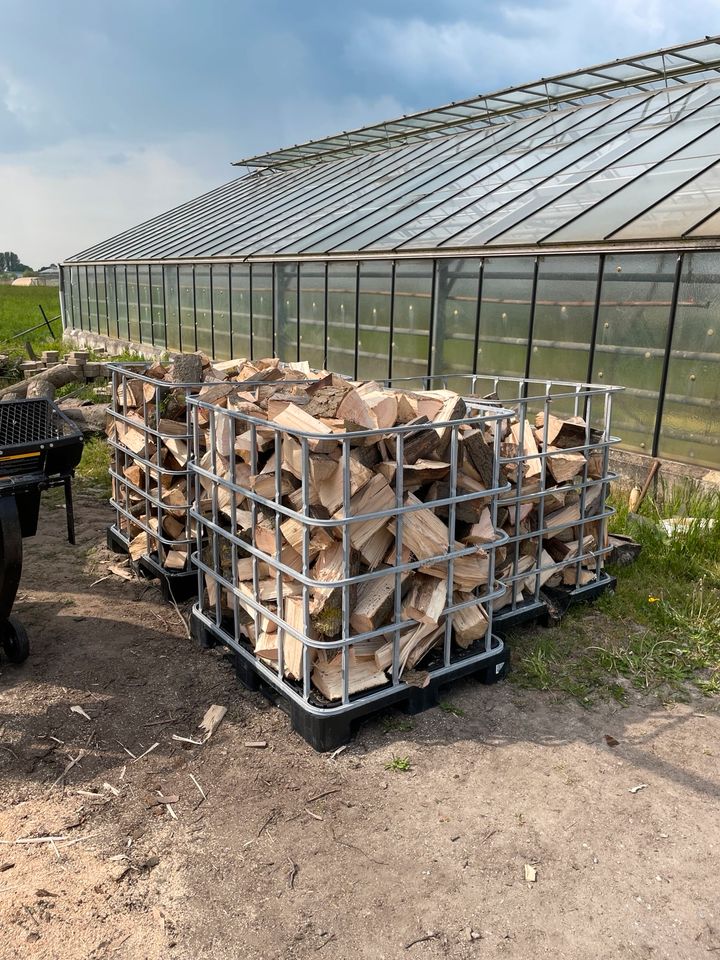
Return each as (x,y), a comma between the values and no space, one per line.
(674,246)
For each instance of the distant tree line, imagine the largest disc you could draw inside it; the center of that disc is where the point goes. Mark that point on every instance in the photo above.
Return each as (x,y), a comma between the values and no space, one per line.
(10,263)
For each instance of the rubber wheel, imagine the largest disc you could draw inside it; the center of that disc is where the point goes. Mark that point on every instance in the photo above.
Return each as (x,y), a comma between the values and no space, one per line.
(15,641)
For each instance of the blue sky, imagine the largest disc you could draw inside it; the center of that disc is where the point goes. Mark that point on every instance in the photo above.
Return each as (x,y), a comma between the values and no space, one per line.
(113,111)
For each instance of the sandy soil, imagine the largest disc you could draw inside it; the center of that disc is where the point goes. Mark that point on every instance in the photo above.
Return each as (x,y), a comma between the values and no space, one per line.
(262,869)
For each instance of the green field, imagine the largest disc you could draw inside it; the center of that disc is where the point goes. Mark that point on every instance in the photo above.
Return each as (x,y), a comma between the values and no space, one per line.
(19,310)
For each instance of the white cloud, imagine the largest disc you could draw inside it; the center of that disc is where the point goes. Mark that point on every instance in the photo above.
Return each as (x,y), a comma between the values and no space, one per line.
(54,203)
(526,40)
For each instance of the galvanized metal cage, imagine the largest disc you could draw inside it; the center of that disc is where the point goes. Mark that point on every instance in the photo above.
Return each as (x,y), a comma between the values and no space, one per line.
(257,541)
(557,491)
(151,487)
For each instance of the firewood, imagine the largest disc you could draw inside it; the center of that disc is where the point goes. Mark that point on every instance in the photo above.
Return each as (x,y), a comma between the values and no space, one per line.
(296,418)
(532,465)
(326,603)
(292,647)
(479,453)
(375,602)
(564,466)
(363,675)
(426,599)
(469,623)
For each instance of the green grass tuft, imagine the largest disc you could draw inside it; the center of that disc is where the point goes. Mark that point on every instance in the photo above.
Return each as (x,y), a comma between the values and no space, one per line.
(93,469)
(399,764)
(450,708)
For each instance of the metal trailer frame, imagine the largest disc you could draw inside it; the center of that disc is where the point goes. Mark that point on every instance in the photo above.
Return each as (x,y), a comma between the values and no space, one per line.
(525,396)
(178,584)
(326,724)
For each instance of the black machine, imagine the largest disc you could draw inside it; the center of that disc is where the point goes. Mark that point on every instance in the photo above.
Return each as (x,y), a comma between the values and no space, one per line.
(39,448)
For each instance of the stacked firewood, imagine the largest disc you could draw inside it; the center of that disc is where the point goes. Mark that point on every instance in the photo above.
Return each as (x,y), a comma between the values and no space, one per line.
(329,408)
(564,503)
(161,406)
(250,454)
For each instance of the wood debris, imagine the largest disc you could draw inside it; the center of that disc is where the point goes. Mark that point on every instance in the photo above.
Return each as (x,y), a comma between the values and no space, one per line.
(211,721)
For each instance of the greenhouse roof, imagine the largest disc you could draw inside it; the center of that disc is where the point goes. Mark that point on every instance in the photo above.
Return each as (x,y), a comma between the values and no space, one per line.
(627,152)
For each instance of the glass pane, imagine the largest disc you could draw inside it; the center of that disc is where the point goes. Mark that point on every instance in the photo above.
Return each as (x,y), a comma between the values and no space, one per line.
(262,306)
(187,310)
(111,300)
(692,399)
(635,300)
(341,317)
(102,309)
(133,303)
(240,275)
(505,315)
(679,212)
(221,311)
(203,308)
(709,228)
(456,317)
(374,304)
(411,318)
(91,299)
(75,296)
(564,307)
(286,310)
(143,273)
(122,306)
(158,305)
(172,307)
(312,314)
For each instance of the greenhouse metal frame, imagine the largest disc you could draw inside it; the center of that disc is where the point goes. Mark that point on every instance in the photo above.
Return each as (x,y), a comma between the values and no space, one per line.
(567,229)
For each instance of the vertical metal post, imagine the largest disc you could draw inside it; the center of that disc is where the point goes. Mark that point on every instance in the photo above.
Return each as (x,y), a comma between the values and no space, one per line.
(179,307)
(194,307)
(211,283)
(431,330)
(596,317)
(164,304)
(273,268)
(666,358)
(297,299)
(230,310)
(357,319)
(531,325)
(393,269)
(137,298)
(325,318)
(97,301)
(481,276)
(250,311)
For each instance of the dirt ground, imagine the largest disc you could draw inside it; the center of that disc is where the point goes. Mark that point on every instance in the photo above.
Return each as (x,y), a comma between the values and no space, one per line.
(293,854)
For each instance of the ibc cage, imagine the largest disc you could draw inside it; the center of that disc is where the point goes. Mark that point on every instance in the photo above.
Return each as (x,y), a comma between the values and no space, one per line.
(554,451)
(151,488)
(315,591)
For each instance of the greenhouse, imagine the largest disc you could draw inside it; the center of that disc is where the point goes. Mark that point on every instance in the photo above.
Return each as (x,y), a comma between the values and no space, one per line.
(566,229)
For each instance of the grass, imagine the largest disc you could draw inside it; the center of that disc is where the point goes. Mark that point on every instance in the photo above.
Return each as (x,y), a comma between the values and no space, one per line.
(659,632)
(19,311)
(92,472)
(399,764)
(451,709)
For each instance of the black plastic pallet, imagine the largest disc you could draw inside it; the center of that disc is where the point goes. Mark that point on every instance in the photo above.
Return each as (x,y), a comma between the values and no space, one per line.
(325,733)
(174,585)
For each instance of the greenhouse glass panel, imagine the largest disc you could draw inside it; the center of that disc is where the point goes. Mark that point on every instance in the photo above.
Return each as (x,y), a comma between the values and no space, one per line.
(157,291)
(341,301)
(312,314)
(635,302)
(172,307)
(375,309)
(91,299)
(75,296)
(240,279)
(111,300)
(286,311)
(221,311)
(131,274)
(458,283)
(122,305)
(563,322)
(692,397)
(187,310)
(678,213)
(102,304)
(203,308)
(505,313)
(145,301)
(262,310)
(412,313)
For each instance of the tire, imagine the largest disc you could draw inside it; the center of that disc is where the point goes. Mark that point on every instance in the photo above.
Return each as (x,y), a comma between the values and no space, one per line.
(15,641)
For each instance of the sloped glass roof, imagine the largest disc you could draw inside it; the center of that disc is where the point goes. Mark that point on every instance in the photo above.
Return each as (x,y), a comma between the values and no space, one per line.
(633,156)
